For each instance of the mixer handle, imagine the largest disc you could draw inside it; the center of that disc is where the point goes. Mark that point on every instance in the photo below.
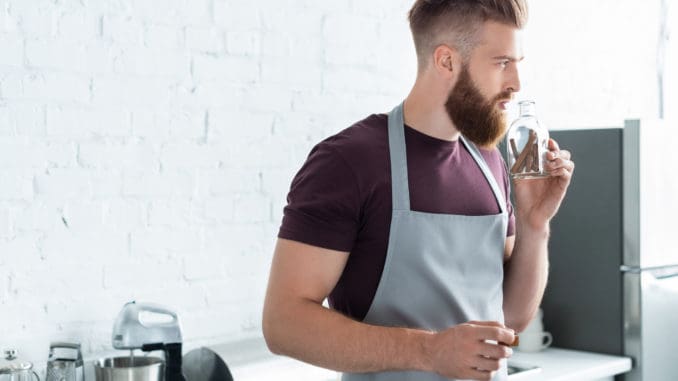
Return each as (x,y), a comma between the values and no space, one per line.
(154,308)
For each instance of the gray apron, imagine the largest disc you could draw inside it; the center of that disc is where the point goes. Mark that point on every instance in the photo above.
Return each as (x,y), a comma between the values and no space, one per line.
(441,269)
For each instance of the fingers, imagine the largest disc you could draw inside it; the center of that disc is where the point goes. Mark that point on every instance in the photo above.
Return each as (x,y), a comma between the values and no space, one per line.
(560,167)
(497,352)
(553,145)
(486,367)
(564,154)
(555,151)
(488,364)
(471,350)
(559,163)
(493,331)
(480,375)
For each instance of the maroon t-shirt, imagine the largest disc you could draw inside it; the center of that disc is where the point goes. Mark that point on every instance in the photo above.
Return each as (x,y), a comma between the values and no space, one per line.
(341,198)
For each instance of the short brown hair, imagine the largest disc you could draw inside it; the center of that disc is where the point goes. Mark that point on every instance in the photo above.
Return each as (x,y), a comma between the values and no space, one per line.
(458,22)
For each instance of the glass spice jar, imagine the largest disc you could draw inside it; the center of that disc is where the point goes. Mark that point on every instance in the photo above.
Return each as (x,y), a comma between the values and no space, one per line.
(527,144)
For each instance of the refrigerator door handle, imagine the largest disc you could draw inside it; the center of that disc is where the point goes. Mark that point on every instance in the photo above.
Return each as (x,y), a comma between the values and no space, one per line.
(659,272)
(666,276)
(630,269)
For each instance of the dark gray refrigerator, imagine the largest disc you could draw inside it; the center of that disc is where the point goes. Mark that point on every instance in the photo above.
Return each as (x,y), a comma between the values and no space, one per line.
(613,280)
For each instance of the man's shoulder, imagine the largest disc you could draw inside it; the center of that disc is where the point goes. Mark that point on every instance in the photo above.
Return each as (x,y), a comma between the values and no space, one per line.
(361,140)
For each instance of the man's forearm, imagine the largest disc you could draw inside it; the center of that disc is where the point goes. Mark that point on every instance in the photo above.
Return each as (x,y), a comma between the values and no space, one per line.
(525,275)
(314,334)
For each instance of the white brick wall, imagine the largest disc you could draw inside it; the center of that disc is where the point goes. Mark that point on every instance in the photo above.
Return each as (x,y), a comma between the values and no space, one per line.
(592,65)
(146,147)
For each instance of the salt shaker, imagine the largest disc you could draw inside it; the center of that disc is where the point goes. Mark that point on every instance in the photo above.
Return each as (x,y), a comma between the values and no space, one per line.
(527,144)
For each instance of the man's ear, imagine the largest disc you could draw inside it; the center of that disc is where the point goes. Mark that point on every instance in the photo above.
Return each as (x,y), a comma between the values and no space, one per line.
(446,61)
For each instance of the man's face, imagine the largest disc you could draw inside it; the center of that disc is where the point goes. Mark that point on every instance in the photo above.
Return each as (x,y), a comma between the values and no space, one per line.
(477,102)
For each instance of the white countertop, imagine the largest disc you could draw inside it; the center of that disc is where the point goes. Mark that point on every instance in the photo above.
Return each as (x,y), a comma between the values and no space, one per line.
(250,360)
(566,365)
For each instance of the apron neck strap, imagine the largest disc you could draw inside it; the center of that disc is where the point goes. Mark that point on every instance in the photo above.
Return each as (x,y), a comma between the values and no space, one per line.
(396,145)
(478,157)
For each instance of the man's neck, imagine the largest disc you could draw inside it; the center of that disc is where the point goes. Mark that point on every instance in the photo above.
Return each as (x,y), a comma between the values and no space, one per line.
(425,112)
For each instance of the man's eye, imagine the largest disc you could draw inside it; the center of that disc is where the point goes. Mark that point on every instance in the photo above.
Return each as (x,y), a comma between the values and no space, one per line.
(503,64)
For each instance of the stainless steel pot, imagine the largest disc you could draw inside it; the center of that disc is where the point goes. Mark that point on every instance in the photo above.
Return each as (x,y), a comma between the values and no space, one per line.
(129,369)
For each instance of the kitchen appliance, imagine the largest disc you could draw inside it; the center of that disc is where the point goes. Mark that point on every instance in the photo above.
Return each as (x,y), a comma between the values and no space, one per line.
(14,369)
(204,364)
(129,368)
(149,327)
(613,283)
(65,362)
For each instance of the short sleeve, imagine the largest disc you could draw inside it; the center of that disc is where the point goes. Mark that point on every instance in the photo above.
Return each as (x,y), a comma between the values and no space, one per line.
(323,204)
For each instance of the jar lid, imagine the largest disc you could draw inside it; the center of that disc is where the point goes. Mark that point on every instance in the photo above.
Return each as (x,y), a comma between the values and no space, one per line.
(10,364)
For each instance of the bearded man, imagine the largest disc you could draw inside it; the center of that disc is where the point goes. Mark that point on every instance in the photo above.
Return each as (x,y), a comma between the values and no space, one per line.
(403,221)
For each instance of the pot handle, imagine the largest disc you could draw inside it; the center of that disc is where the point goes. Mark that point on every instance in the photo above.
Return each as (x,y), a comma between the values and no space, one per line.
(36,375)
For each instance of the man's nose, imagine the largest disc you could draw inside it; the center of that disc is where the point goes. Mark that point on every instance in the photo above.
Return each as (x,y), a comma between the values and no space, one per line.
(513,83)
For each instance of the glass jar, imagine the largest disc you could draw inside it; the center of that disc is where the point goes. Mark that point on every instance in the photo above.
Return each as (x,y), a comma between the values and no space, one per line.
(527,144)
(13,369)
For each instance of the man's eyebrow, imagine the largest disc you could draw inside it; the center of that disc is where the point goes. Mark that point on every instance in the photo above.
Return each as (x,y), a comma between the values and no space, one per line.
(508,58)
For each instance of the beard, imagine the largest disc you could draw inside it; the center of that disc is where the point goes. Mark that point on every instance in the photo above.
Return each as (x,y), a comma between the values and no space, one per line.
(478,119)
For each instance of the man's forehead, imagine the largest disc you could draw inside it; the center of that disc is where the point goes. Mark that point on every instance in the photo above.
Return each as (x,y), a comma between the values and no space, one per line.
(492,28)
(502,41)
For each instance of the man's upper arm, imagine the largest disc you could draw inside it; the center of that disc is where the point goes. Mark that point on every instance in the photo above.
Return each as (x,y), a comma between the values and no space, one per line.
(300,271)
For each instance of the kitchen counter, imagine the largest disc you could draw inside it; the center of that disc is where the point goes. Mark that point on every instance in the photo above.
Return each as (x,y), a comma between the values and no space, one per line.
(566,365)
(250,360)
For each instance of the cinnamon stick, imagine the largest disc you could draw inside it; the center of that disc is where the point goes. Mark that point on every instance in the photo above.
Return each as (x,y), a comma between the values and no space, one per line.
(513,148)
(520,161)
(535,154)
(515,343)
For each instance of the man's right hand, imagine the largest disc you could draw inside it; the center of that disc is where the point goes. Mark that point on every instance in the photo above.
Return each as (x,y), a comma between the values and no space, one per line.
(463,351)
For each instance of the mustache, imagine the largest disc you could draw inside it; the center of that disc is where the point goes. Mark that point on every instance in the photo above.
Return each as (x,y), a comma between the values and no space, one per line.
(504,96)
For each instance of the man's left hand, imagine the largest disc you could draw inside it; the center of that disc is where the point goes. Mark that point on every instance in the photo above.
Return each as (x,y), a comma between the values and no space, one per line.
(538,200)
